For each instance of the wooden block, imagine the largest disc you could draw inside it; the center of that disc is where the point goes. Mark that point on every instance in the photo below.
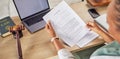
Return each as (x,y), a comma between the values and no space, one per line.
(96,3)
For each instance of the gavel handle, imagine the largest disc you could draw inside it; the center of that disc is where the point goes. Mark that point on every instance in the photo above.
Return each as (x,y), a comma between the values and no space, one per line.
(19,46)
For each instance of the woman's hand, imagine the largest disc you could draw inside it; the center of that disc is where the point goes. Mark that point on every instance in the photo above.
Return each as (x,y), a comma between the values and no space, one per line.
(50,29)
(93,26)
(107,37)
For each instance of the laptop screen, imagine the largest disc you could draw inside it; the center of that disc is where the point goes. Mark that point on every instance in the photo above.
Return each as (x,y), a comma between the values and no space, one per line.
(29,7)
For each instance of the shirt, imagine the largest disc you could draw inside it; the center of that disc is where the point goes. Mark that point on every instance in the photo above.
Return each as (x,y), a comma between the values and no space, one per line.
(110,51)
(65,54)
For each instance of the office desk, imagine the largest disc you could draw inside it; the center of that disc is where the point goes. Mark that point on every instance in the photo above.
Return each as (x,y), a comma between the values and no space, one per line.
(38,45)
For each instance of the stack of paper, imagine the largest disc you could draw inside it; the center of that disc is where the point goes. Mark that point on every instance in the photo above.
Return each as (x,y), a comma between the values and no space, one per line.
(69,26)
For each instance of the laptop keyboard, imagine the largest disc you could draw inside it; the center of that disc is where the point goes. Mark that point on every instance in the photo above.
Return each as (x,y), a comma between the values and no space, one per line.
(35,19)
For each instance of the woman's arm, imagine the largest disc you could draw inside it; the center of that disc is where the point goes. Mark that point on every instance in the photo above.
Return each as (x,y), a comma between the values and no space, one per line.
(54,40)
(57,43)
(62,52)
(93,26)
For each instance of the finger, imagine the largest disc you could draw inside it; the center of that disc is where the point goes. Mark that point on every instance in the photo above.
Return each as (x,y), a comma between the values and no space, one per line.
(89,24)
(47,26)
(49,23)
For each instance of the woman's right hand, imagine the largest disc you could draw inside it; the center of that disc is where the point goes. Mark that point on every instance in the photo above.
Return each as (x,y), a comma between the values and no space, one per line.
(50,29)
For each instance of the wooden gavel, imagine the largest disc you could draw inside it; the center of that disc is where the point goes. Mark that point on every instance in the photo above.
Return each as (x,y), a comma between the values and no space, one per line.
(17,33)
(17,29)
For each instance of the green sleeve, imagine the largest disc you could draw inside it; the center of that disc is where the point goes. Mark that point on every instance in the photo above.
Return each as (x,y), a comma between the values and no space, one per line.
(112,49)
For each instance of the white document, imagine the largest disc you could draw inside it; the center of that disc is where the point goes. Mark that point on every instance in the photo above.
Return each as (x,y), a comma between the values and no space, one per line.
(66,23)
(102,21)
(87,38)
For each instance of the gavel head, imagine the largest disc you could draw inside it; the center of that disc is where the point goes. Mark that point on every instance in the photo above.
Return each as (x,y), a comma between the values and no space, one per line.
(17,30)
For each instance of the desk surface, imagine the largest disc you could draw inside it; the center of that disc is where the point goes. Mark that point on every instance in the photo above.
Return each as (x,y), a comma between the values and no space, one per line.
(38,45)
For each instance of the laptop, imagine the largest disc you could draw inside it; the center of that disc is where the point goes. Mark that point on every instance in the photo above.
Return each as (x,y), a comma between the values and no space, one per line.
(31,13)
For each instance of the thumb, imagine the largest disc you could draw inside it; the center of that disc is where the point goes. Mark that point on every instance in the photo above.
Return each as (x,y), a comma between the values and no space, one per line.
(90,24)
